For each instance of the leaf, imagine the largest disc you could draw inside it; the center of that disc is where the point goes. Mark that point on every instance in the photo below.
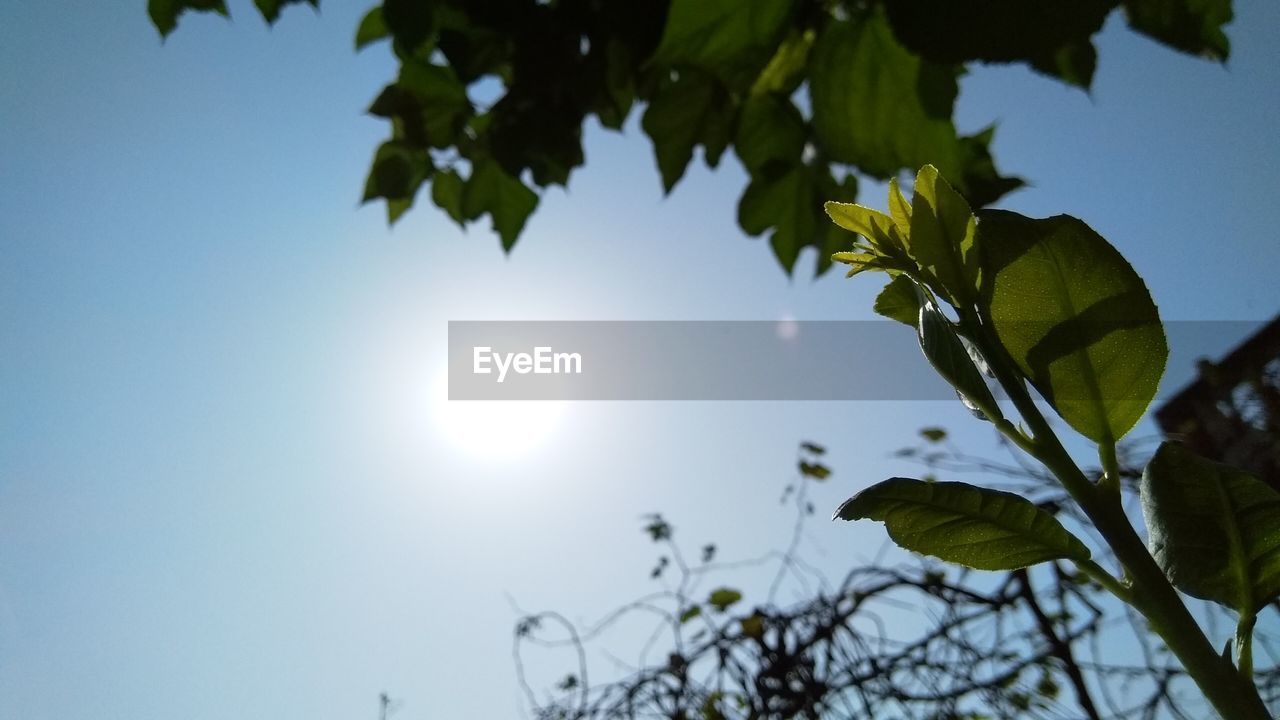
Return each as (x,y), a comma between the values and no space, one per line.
(1053,37)
(507,201)
(164,13)
(396,173)
(833,238)
(900,300)
(943,236)
(933,434)
(658,528)
(961,523)
(1075,317)
(953,360)
(270,9)
(371,29)
(880,107)
(873,225)
(753,626)
(813,448)
(785,70)
(724,597)
(446,193)
(440,101)
(708,553)
(789,204)
(817,471)
(410,22)
(690,613)
(770,130)
(732,39)
(899,209)
(1192,26)
(1213,529)
(689,111)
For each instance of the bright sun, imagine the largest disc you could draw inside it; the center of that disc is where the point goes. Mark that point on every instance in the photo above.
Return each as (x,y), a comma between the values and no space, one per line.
(493,430)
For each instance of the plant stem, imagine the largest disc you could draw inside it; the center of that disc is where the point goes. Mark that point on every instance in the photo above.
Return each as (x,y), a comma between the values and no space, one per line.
(1106,580)
(1110,481)
(1232,695)
(1244,644)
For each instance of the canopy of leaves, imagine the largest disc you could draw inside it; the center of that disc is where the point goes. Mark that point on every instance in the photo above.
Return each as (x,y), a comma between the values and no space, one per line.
(806,94)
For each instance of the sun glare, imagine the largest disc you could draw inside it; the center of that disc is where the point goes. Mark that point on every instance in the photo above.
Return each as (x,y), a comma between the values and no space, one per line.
(493,430)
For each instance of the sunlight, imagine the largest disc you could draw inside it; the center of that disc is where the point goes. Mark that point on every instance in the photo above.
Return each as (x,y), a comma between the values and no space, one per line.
(493,430)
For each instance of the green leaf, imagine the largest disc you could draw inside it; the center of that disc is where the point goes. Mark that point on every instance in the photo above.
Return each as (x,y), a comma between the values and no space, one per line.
(961,523)
(834,238)
(899,209)
(1213,529)
(770,130)
(954,361)
(1075,317)
(691,110)
(876,105)
(396,173)
(441,99)
(813,448)
(506,199)
(270,9)
(815,470)
(933,434)
(446,193)
(732,39)
(1053,37)
(900,300)
(1193,26)
(788,203)
(164,13)
(943,237)
(690,613)
(785,70)
(427,102)
(371,29)
(724,597)
(873,225)
(410,22)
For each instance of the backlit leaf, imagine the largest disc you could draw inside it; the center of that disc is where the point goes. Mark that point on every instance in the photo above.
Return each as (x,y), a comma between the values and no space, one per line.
(1075,317)
(961,523)
(900,301)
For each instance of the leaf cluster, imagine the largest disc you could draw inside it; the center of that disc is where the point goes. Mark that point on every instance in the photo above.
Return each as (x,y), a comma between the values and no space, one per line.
(491,98)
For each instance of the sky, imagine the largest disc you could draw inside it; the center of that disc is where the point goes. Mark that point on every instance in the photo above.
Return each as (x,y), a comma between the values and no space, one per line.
(229,483)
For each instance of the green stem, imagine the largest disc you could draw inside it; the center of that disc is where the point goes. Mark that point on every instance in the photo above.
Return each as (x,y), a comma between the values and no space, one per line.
(1106,580)
(1110,467)
(1244,645)
(1234,697)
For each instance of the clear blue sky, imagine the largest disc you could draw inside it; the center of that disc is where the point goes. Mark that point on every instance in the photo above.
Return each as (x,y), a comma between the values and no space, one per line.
(224,486)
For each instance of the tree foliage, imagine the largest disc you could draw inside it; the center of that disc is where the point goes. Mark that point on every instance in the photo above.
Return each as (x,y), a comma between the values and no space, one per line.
(492,96)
